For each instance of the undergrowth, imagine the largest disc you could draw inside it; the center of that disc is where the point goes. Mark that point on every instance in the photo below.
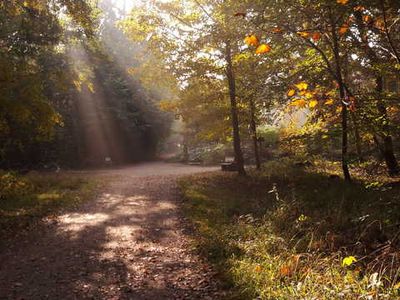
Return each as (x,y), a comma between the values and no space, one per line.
(296,233)
(25,200)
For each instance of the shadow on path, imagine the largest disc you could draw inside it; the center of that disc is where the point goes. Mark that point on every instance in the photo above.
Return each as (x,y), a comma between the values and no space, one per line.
(127,244)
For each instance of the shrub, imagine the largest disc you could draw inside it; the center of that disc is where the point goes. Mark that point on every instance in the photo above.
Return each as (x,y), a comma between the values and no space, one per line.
(14,187)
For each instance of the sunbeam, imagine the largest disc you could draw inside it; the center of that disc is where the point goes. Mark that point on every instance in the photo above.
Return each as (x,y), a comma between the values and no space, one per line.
(101,137)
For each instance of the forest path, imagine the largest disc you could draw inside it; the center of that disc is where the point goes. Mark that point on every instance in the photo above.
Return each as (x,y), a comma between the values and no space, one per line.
(128,243)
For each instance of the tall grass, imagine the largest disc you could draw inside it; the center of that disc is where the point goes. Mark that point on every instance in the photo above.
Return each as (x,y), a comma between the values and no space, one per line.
(285,233)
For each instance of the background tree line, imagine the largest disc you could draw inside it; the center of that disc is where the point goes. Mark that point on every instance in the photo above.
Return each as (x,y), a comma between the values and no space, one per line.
(242,65)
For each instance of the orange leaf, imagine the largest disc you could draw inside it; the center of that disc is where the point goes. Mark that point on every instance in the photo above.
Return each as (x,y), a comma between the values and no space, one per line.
(285,271)
(352,106)
(344,29)
(277,30)
(316,36)
(342,2)
(359,8)
(263,48)
(251,40)
(380,24)
(367,18)
(299,103)
(291,93)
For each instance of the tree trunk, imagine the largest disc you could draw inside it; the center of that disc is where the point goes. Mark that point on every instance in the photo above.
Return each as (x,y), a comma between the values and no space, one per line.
(339,76)
(354,117)
(386,147)
(345,166)
(185,153)
(234,112)
(253,128)
(357,137)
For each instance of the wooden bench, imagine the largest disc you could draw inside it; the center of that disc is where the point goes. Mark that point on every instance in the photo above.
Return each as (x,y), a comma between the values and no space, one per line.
(229,165)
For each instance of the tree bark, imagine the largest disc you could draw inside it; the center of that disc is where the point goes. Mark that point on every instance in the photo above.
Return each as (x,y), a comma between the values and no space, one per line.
(253,128)
(386,148)
(342,92)
(353,117)
(357,137)
(234,111)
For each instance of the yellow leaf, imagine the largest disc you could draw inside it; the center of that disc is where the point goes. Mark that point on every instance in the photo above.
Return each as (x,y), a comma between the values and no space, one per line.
(342,2)
(344,29)
(263,48)
(304,34)
(251,40)
(302,218)
(302,86)
(348,261)
(313,104)
(291,93)
(91,87)
(241,56)
(309,95)
(329,102)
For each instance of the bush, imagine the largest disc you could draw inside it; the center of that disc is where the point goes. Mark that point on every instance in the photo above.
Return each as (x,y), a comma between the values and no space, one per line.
(14,187)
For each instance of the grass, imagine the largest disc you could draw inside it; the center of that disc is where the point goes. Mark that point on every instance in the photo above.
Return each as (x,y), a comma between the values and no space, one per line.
(285,233)
(25,200)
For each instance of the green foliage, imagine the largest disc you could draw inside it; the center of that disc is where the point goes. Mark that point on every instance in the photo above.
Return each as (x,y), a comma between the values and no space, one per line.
(30,32)
(25,200)
(54,57)
(25,111)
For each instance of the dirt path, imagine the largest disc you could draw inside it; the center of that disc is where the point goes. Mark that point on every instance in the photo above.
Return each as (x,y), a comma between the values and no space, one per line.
(127,244)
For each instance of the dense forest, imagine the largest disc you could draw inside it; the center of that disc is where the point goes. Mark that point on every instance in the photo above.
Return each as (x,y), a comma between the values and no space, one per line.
(223,149)
(66,98)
